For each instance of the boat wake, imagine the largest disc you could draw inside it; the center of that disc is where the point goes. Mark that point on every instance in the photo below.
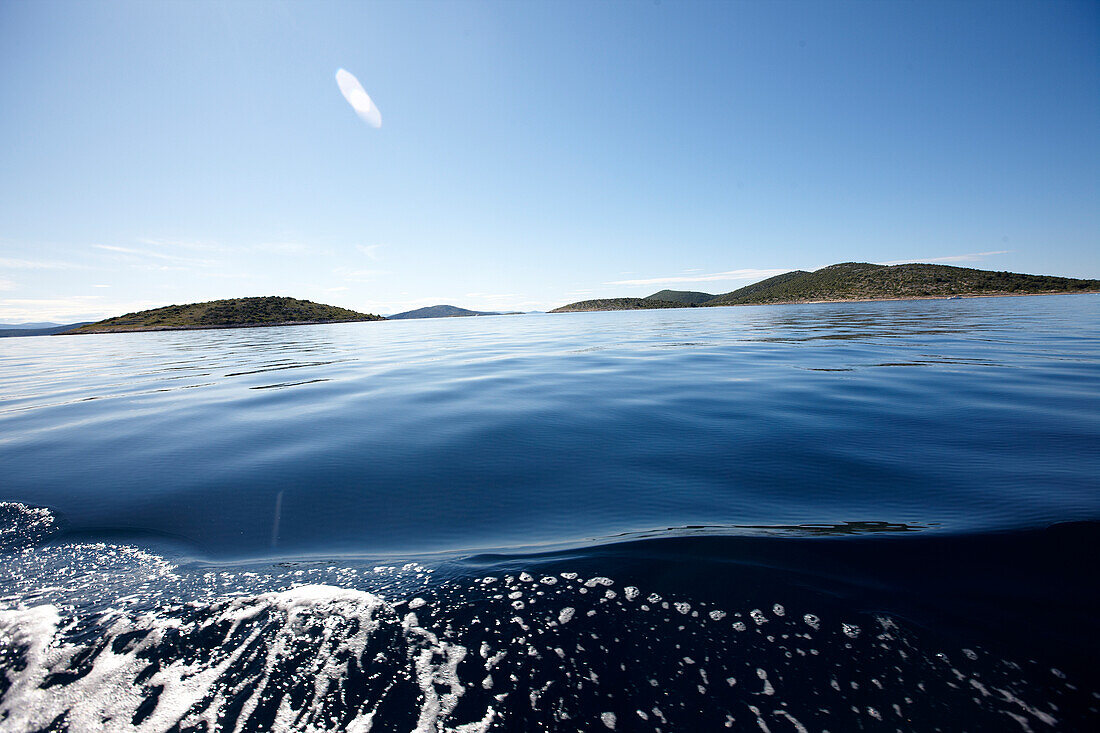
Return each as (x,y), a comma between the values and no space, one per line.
(98,637)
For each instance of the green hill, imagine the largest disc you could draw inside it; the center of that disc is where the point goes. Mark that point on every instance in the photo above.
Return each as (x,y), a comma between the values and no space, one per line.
(233,313)
(865,281)
(859,281)
(750,290)
(687,297)
(616,304)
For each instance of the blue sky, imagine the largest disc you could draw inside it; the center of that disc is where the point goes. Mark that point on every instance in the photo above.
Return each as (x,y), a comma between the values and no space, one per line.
(532,154)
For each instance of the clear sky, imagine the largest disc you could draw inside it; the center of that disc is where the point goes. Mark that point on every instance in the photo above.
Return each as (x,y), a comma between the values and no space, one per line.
(532,154)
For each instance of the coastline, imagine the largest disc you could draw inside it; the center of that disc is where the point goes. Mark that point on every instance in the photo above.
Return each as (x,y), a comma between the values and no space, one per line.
(958,296)
(134,329)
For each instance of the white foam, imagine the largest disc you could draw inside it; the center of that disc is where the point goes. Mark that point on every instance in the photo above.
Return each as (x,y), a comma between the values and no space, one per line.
(331,622)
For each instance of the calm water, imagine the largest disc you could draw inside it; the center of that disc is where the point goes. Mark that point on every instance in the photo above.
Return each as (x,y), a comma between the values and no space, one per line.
(821,517)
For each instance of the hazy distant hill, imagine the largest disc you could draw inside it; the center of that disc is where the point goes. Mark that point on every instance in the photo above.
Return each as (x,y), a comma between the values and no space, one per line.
(235,312)
(445,311)
(25,330)
(616,304)
(687,297)
(33,324)
(865,281)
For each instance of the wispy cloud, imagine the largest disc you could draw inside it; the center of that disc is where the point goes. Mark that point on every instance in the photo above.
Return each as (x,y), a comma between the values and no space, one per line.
(972,257)
(746,274)
(137,252)
(7,284)
(132,254)
(68,310)
(358,98)
(20,264)
(101,286)
(370,250)
(289,247)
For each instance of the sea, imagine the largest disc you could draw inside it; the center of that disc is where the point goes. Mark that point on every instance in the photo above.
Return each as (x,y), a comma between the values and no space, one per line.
(820,517)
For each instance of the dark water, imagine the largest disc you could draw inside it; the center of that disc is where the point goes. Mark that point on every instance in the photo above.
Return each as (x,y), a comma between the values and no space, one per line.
(823,517)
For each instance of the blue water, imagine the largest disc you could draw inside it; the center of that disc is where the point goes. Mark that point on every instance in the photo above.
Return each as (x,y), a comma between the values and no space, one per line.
(925,472)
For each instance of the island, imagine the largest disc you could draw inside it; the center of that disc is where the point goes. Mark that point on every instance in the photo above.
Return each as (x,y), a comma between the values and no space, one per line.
(38,329)
(854,281)
(232,313)
(445,311)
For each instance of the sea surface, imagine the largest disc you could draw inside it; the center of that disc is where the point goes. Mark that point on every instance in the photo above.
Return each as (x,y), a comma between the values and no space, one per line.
(858,516)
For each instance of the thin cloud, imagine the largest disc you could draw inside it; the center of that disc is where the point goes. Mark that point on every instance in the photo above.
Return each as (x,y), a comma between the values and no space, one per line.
(972,257)
(130,252)
(135,252)
(746,274)
(358,98)
(18,264)
(68,310)
(370,250)
(101,286)
(7,284)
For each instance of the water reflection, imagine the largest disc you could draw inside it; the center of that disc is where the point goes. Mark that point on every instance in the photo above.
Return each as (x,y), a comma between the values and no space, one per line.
(449,434)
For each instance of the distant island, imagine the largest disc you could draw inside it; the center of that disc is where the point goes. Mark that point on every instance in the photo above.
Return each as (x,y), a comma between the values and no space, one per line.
(232,313)
(38,329)
(854,281)
(848,281)
(445,311)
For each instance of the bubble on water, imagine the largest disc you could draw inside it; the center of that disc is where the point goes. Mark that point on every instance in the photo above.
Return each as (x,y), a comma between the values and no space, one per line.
(110,635)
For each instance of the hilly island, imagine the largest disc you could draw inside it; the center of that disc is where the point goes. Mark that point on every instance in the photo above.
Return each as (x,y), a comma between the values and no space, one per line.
(854,281)
(849,281)
(232,313)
